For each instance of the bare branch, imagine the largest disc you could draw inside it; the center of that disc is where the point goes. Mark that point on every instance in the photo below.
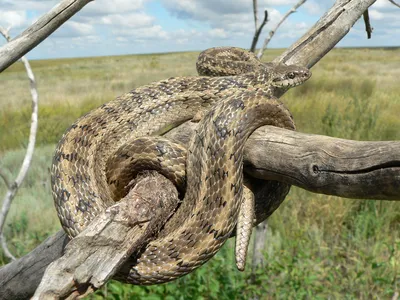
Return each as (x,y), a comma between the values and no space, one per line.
(367,22)
(114,234)
(40,30)
(325,34)
(258,32)
(392,1)
(255,15)
(376,164)
(272,32)
(13,188)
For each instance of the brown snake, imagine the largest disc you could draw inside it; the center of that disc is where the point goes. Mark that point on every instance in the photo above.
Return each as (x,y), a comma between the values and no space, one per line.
(84,182)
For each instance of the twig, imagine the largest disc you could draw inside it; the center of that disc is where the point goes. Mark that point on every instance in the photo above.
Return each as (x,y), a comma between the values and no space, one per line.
(368,27)
(258,32)
(255,15)
(40,30)
(13,188)
(272,32)
(392,1)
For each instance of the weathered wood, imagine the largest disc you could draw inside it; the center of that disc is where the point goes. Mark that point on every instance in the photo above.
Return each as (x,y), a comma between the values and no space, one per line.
(318,163)
(344,168)
(114,234)
(325,34)
(20,279)
(39,31)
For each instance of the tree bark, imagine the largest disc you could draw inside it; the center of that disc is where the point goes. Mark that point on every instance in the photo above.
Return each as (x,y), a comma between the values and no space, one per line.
(116,233)
(344,168)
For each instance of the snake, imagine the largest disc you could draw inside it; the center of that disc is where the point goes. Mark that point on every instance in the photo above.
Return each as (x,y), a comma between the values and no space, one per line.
(232,96)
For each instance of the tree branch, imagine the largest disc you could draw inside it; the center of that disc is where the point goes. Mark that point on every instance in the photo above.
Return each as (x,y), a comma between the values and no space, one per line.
(325,34)
(258,32)
(13,188)
(318,163)
(255,11)
(40,30)
(115,234)
(272,32)
(367,22)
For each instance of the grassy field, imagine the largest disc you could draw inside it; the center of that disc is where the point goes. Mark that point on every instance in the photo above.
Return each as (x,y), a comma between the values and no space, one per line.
(318,246)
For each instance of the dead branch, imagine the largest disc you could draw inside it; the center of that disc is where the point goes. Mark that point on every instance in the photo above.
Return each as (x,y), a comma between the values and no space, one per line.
(255,15)
(272,32)
(318,163)
(114,234)
(325,34)
(40,30)
(367,23)
(258,32)
(363,168)
(13,188)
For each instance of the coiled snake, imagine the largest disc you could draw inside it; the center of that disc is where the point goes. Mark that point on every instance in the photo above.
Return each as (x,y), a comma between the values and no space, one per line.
(84,182)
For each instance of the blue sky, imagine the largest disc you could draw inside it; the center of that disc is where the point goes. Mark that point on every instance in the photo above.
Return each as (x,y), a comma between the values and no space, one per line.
(112,27)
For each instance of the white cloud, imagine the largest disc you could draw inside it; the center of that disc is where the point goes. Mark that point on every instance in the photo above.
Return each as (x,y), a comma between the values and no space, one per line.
(132,20)
(108,7)
(13,18)
(218,33)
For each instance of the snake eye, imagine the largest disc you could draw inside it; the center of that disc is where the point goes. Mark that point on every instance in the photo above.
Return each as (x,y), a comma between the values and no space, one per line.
(291,75)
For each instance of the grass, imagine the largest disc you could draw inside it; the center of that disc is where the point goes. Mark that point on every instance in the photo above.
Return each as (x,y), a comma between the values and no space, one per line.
(318,246)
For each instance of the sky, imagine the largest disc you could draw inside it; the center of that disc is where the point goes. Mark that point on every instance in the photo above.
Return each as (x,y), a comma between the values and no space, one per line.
(115,27)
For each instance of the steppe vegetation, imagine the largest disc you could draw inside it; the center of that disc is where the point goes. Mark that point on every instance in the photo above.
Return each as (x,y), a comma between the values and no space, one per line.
(318,246)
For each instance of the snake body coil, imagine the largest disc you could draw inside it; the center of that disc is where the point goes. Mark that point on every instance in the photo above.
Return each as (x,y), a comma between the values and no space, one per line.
(210,208)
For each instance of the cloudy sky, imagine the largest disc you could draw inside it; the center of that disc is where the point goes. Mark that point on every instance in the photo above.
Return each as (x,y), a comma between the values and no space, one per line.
(112,27)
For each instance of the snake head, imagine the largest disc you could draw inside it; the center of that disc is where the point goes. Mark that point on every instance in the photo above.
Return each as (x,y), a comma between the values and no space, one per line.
(289,76)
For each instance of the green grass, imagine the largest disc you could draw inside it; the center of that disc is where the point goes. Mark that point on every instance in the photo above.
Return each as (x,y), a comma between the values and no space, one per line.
(318,246)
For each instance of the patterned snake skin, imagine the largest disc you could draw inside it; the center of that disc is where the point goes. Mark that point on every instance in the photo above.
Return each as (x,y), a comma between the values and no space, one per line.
(92,163)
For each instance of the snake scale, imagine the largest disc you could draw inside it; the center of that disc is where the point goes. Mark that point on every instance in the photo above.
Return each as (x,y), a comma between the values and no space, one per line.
(234,92)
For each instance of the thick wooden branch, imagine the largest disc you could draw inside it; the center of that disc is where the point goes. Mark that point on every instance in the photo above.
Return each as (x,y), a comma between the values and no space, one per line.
(321,164)
(326,165)
(20,279)
(318,163)
(39,31)
(115,234)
